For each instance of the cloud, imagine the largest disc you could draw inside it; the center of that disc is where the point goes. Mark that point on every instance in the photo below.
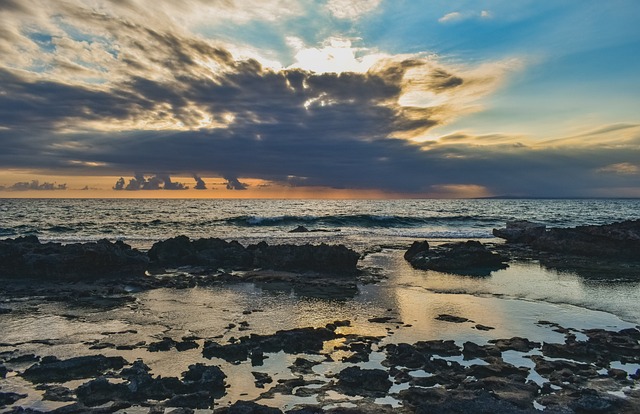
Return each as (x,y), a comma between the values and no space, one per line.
(451,17)
(234,184)
(200,184)
(112,89)
(352,9)
(622,168)
(456,16)
(34,185)
(154,182)
(335,55)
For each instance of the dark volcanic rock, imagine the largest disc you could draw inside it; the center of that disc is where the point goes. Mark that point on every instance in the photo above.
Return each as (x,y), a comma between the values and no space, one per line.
(515,344)
(366,382)
(27,257)
(601,347)
(299,340)
(405,355)
(596,403)
(196,400)
(438,347)
(202,377)
(261,378)
(144,387)
(299,229)
(186,345)
(472,350)
(8,398)
(418,247)
(54,370)
(452,318)
(57,393)
(230,352)
(520,231)
(100,391)
(497,368)
(3,371)
(560,371)
(162,346)
(247,407)
(303,366)
(618,240)
(464,258)
(518,393)
(321,258)
(213,252)
(589,401)
(200,385)
(441,401)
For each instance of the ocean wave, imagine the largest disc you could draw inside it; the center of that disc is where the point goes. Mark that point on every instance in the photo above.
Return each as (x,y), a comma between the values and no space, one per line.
(61,229)
(452,234)
(358,220)
(7,232)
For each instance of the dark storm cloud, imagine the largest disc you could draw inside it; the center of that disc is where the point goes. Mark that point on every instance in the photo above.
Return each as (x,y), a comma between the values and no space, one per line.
(200,185)
(234,184)
(154,182)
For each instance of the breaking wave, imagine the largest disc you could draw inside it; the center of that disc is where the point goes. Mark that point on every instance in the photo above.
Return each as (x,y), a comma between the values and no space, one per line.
(359,220)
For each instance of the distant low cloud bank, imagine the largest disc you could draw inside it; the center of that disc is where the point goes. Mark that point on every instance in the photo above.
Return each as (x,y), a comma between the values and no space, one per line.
(154,182)
(34,185)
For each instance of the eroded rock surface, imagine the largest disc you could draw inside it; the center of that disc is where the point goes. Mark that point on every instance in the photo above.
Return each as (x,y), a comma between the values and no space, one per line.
(213,252)
(617,240)
(464,258)
(28,257)
(51,369)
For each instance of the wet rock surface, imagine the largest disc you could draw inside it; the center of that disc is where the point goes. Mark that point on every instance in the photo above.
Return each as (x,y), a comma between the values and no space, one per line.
(291,341)
(8,398)
(214,252)
(28,257)
(365,382)
(620,240)
(51,369)
(486,383)
(464,258)
(590,251)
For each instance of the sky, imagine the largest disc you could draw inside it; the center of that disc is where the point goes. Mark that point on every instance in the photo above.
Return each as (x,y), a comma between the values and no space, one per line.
(324,98)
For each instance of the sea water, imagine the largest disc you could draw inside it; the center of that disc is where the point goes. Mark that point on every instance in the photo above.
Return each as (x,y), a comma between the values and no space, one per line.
(512,301)
(358,223)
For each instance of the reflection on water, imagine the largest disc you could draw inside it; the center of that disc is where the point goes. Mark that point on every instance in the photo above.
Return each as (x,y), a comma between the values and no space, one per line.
(525,281)
(510,301)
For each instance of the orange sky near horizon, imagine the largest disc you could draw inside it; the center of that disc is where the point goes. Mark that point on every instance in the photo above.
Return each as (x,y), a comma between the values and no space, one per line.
(102,187)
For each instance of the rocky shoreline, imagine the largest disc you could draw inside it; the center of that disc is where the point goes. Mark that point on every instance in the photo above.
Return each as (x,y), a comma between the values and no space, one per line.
(574,377)
(27,257)
(607,249)
(583,374)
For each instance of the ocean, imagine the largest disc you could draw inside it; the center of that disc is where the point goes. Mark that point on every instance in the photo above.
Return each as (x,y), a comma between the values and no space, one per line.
(356,223)
(512,301)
